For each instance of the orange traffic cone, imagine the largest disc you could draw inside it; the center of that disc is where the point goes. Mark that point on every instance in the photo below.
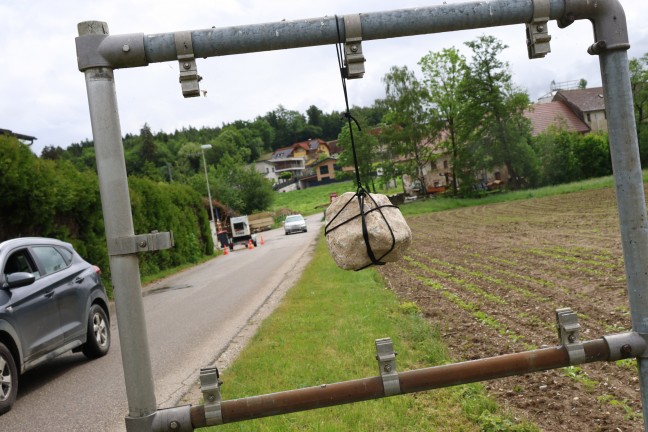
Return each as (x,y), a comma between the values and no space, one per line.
(250,245)
(226,251)
(262,242)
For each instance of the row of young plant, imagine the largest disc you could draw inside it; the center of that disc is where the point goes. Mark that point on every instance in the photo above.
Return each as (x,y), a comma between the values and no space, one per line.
(462,286)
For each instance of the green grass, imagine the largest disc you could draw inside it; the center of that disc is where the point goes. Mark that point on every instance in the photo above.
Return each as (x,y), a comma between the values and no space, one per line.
(315,199)
(311,200)
(449,203)
(323,332)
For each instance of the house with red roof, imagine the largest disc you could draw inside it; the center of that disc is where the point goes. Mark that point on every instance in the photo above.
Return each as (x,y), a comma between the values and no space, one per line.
(576,110)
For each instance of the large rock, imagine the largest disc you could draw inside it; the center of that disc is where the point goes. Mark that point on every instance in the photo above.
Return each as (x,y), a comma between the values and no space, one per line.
(344,231)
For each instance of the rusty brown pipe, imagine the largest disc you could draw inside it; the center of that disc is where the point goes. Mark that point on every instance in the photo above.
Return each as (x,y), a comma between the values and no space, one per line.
(327,395)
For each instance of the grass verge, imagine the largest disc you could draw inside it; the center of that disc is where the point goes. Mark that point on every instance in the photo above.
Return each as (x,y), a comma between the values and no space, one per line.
(449,203)
(324,332)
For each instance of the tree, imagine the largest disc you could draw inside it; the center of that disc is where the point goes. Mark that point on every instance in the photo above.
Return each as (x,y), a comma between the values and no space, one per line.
(493,116)
(557,162)
(365,150)
(241,188)
(287,125)
(639,84)
(409,130)
(443,72)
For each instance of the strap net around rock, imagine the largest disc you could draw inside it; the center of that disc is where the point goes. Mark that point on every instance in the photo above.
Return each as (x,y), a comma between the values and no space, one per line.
(361,193)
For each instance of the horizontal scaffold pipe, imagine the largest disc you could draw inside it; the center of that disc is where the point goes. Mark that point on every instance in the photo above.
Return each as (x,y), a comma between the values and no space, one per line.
(144,49)
(323,30)
(327,395)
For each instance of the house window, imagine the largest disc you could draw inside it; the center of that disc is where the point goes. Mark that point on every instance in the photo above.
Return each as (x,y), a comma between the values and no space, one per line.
(498,175)
(267,170)
(589,118)
(445,164)
(324,169)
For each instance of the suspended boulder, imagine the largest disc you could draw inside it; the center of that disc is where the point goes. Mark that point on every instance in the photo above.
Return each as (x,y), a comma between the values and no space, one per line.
(364,229)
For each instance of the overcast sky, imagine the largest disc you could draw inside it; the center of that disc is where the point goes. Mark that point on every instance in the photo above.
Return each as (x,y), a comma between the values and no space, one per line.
(43,92)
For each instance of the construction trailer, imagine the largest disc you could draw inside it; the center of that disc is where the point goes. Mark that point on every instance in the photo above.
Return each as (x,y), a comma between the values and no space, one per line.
(99,53)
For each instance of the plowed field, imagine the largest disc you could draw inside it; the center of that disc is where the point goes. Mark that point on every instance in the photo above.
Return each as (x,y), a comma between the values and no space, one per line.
(491,278)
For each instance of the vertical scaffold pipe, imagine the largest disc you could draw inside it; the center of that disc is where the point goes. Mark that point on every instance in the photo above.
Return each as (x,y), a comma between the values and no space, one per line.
(630,196)
(115,201)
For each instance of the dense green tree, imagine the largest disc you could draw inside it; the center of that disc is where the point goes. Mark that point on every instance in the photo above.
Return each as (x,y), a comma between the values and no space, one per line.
(314,115)
(493,115)
(239,187)
(409,132)
(568,156)
(230,142)
(443,72)
(639,83)
(52,153)
(366,152)
(287,125)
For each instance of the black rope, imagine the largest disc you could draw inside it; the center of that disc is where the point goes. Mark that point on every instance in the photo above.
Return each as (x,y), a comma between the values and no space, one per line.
(347,114)
(361,192)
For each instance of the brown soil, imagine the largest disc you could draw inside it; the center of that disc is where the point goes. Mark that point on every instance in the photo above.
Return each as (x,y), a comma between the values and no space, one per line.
(518,262)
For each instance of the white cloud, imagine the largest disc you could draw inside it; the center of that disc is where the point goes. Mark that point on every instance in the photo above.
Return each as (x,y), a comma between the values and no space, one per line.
(44,93)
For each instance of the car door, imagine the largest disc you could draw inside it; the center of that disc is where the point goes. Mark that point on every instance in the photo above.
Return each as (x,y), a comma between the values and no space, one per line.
(66,280)
(31,310)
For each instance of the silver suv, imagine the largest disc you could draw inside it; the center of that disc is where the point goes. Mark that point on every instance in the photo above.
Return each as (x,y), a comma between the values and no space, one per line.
(51,301)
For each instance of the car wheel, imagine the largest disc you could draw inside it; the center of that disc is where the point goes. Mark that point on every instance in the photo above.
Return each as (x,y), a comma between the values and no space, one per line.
(8,379)
(98,340)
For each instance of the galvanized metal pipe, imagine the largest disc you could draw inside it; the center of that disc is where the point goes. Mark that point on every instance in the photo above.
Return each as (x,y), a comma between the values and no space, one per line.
(630,195)
(327,395)
(118,221)
(213,42)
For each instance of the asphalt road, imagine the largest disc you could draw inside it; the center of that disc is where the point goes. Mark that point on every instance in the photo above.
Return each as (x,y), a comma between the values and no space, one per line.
(197,318)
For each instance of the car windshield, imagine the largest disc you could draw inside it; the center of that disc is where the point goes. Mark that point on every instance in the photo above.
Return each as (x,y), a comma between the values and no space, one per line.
(294,218)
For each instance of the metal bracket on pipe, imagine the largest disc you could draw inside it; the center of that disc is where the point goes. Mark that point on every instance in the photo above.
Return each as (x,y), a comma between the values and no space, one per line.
(626,345)
(569,334)
(175,419)
(209,385)
(387,364)
(537,33)
(189,78)
(353,57)
(140,243)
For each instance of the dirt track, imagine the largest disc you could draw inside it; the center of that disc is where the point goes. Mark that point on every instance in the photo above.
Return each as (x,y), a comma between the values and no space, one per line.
(492,276)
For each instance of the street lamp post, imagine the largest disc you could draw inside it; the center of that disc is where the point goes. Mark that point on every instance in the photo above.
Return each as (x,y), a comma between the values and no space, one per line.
(211,206)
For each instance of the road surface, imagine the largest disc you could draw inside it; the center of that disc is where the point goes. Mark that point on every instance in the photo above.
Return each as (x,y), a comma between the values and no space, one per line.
(195,319)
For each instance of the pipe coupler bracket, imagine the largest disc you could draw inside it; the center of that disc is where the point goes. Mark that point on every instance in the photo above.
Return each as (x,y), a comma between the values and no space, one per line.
(210,387)
(353,58)
(569,334)
(387,364)
(175,419)
(189,78)
(626,345)
(140,243)
(537,32)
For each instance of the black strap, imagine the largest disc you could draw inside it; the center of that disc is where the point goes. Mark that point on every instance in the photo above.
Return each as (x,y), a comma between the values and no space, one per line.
(361,193)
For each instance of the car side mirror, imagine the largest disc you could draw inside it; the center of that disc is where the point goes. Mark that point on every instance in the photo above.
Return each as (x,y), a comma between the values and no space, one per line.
(20,279)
